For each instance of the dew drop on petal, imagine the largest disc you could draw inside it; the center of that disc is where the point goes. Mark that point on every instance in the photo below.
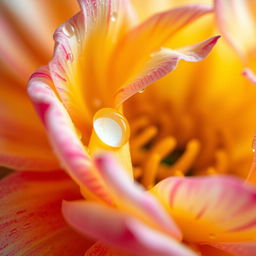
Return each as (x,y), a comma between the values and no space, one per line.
(141,91)
(68,29)
(111,127)
(113,16)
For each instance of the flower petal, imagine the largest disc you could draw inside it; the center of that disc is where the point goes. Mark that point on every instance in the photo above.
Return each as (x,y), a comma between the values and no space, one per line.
(120,231)
(23,142)
(162,63)
(80,64)
(237,22)
(62,134)
(131,196)
(220,209)
(134,49)
(30,219)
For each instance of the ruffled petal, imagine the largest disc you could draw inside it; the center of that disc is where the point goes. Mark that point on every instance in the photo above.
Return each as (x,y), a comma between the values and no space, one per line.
(135,48)
(237,22)
(162,63)
(120,231)
(62,134)
(211,210)
(30,219)
(80,64)
(132,197)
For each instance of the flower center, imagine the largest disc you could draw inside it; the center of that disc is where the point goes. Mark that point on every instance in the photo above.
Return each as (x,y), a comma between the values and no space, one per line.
(159,149)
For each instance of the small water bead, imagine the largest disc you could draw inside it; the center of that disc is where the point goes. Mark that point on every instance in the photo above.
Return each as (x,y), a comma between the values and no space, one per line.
(68,29)
(141,91)
(113,16)
(111,127)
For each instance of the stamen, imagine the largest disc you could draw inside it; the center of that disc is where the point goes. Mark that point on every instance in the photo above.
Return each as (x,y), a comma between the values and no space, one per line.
(139,141)
(139,123)
(158,152)
(144,137)
(186,160)
(221,161)
(151,169)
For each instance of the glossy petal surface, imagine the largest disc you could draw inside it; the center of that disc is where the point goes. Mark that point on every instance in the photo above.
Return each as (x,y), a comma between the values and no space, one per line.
(220,209)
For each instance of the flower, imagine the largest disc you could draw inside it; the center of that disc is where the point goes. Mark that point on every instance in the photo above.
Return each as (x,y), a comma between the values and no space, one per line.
(103,33)
(210,225)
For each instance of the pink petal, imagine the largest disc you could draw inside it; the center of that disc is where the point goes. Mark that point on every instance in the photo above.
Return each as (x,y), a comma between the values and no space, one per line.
(220,209)
(248,73)
(30,219)
(130,195)
(62,133)
(134,49)
(162,63)
(237,22)
(120,231)
(79,66)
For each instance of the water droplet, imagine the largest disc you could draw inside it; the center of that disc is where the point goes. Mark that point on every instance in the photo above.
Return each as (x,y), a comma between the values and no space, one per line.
(68,29)
(70,57)
(111,127)
(141,91)
(253,150)
(212,236)
(113,16)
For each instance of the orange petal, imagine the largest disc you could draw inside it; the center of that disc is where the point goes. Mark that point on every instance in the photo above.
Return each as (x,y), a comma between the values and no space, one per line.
(214,211)
(80,63)
(134,49)
(120,231)
(30,219)
(72,154)
(23,141)
(237,22)
(162,63)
